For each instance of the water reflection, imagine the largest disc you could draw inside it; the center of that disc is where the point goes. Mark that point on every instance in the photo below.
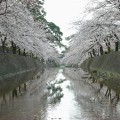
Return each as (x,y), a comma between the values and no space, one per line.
(13,87)
(98,97)
(67,108)
(55,90)
(59,94)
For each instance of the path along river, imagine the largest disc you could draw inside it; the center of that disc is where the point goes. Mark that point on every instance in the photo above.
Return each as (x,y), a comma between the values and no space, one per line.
(58,94)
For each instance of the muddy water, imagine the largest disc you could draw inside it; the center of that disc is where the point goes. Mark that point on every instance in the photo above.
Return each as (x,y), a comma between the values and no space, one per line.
(58,94)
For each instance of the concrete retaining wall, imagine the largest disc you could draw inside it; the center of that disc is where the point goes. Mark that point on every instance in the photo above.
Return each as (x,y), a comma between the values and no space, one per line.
(108,62)
(13,64)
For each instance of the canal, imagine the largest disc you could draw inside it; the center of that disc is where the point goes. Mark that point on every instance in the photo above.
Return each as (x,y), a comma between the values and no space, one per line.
(59,94)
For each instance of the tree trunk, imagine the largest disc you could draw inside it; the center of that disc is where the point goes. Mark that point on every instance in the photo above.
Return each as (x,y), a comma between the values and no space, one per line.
(101,50)
(93,50)
(3,43)
(3,46)
(116,46)
(108,47)
(14,49)
(24,53)
(90,54)
(19,51)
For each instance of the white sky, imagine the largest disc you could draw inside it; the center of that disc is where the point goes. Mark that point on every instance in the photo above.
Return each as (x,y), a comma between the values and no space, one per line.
(64,12)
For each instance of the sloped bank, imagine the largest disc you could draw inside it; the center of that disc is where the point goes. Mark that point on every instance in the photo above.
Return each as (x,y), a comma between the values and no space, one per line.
(11,64)
(109,63)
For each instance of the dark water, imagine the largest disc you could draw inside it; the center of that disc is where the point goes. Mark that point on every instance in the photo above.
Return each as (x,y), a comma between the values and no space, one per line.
(59,94)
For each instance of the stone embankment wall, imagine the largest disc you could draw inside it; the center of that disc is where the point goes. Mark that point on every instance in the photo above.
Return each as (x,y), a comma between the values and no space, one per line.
(105,63)
(11,64)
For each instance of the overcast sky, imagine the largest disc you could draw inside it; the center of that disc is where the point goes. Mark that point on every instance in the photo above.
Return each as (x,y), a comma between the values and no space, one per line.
(64,12)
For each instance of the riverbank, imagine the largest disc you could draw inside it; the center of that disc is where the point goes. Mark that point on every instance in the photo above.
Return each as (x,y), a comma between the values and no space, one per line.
(107,63)
(11,64)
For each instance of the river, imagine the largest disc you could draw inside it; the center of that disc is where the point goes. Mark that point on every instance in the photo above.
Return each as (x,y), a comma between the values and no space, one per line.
(58,94)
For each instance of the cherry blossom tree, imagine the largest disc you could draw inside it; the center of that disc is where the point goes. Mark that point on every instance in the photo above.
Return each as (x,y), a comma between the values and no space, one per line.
(98,35)
(21,30)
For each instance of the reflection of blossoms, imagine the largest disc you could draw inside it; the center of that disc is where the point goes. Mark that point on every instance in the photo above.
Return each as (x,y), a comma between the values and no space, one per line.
(55,90)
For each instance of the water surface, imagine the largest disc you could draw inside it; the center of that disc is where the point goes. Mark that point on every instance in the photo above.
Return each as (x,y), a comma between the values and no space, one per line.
(58,94)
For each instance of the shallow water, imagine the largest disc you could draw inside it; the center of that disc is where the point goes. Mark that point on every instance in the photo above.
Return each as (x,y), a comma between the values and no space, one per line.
(57,94)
